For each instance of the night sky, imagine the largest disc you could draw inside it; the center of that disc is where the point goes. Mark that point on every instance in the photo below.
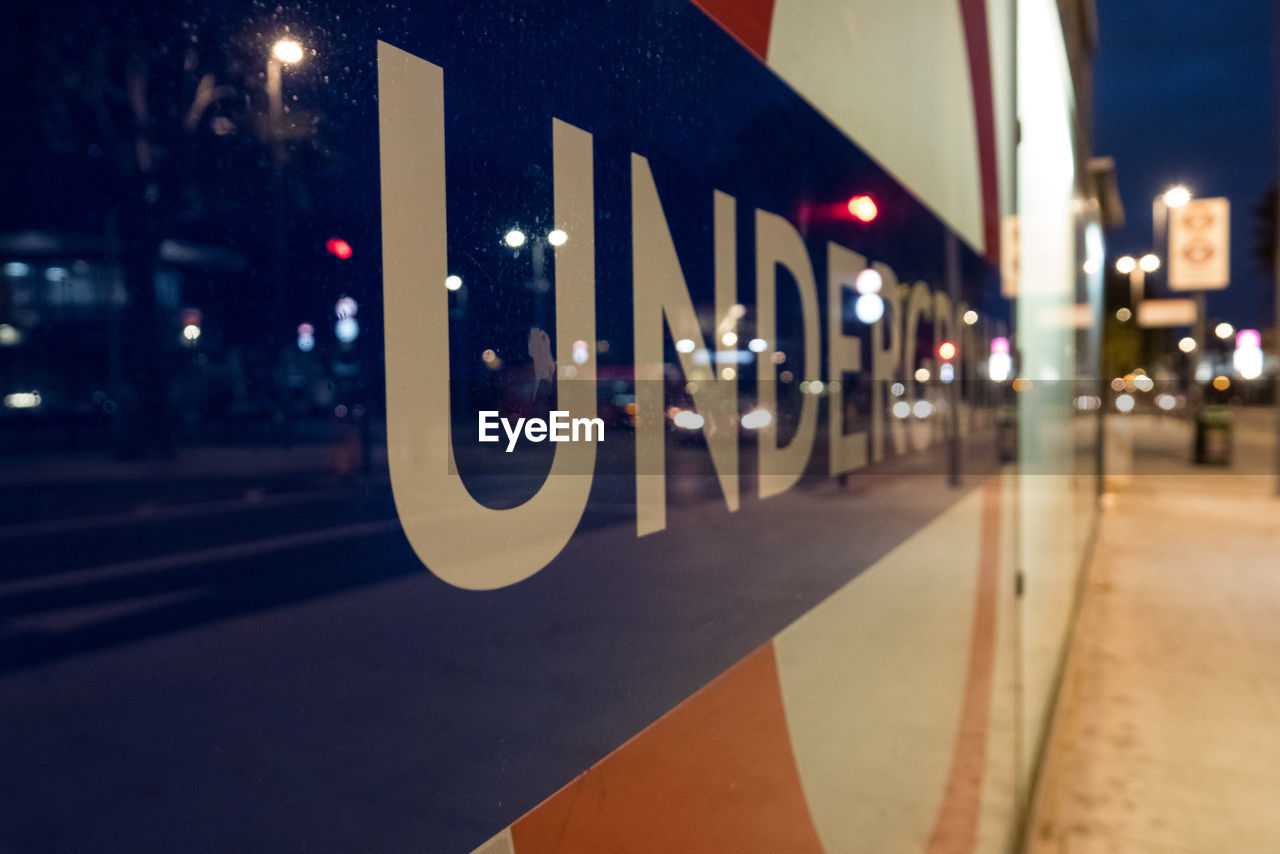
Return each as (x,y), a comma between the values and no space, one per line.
(1185,93)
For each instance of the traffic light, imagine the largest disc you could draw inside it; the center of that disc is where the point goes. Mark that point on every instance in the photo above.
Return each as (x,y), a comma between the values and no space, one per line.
(947,352)
(347,328)
(863,208)
(338,248)
(191,326)
(306,337)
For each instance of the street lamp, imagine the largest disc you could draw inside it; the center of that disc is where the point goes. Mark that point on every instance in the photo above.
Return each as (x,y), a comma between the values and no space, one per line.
(1176,197)
(517,238)
(287,50)
(284,52)
(1136,269)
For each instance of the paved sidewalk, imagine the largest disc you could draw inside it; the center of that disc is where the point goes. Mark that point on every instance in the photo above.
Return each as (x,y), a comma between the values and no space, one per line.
(1167,738)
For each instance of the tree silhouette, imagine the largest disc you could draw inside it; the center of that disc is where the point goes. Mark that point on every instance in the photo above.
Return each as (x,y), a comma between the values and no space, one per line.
(144,125)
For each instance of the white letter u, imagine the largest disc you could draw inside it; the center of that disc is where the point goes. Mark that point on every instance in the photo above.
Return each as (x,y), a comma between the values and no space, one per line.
(463,542)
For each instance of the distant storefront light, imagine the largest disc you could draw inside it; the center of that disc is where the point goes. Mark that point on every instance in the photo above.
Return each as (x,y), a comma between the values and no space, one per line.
(22,400)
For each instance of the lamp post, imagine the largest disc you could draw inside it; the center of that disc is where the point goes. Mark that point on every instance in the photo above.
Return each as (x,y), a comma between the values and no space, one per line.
(1175,197)
(284,52)
(1136,269)
(515,239)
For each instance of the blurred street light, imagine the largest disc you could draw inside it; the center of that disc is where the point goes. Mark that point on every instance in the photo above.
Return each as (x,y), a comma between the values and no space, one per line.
(306,337)
(1248,359)
(1136,270)
(1176,197)
(192,318)
(869,281)
(869,308)
(1000,363)
(1224,330)
(345,307)
(287,50)
(1187,345)
(346,329)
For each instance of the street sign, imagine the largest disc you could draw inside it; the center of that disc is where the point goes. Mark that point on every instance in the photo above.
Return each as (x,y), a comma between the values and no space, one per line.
(1166,312)
(1199,245)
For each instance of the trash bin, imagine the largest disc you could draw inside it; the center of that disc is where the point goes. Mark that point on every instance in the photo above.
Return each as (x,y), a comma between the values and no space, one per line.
(1213,436)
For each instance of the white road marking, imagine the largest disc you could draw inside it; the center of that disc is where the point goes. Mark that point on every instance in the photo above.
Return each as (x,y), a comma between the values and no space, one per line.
(152,512)
(84,616)
(176,560)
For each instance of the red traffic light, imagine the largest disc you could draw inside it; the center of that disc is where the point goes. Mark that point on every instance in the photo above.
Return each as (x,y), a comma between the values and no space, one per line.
(863,208)
(338,247)
(947,350)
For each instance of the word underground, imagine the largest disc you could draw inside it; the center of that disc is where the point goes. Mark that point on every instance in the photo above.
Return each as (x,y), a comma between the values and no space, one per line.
(560,429)
(476,547)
